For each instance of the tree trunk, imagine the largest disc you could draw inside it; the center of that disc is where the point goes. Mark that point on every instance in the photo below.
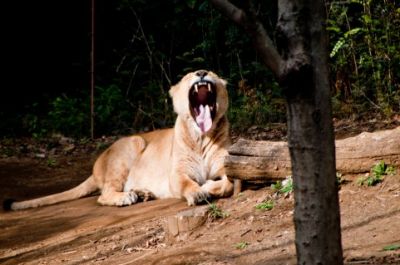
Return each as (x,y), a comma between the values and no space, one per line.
(268,160)
(310,132)
(301,69)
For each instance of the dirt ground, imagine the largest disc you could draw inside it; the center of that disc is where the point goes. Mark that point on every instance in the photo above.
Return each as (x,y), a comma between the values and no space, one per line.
(82,232)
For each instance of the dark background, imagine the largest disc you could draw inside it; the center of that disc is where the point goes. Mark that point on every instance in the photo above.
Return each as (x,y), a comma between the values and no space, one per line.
(142,47)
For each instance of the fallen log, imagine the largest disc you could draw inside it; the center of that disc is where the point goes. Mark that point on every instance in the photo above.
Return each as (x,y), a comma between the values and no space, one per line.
(261,160)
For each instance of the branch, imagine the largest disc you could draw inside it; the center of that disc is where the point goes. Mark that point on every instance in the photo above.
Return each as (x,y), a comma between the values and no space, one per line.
(252,25)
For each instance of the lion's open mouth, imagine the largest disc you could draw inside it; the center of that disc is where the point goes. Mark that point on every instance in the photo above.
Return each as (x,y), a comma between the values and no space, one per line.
(202,98)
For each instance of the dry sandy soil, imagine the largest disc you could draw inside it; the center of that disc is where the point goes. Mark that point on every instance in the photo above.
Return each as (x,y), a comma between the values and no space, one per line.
(82,232)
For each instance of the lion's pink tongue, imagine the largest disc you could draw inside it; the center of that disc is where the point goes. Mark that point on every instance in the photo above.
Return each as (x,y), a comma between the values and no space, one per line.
(204,118)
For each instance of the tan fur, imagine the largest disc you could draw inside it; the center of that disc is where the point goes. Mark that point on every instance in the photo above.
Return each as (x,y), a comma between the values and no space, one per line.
(181,162)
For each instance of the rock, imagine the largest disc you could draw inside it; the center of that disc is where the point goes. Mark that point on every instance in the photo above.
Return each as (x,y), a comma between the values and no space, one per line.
(178,226)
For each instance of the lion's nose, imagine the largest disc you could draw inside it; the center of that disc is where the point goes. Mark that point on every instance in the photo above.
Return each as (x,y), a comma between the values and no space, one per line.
(201,73)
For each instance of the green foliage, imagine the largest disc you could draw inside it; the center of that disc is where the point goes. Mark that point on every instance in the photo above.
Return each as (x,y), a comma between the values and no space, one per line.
(111,109)
(391,247)
(377,174)
(382,168)
(69,115)
(142,57)
(241,245)
(365,56)
(339,179)
(283,187)
(186,36)
(251,106)
(35,125)
(266,205)
(51,162)
(216,212)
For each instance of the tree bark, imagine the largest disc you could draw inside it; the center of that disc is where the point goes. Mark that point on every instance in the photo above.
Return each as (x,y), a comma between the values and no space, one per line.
(268,160)
(302,72)
(252,25)
(310,132)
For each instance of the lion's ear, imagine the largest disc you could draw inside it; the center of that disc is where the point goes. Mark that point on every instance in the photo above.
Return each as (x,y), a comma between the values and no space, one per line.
(223,82)
(173,90)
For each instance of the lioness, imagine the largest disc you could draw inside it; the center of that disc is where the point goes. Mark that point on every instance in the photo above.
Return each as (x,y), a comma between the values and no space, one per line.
(182,162)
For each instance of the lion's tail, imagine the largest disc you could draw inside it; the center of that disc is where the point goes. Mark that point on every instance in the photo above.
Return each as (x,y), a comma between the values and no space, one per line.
(85,188)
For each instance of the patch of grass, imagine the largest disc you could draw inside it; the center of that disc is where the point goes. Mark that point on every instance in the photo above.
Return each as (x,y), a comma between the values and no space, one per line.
(391,247)
(241,245)
(377,174)
(216,212)
(283,187)
(265,206)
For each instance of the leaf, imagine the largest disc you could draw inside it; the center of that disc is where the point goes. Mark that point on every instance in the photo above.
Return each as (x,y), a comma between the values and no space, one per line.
(191,3)
(241,245)
(277,186)
(367,19)
(339,44)
(352,32)
(334,29)
(391,247)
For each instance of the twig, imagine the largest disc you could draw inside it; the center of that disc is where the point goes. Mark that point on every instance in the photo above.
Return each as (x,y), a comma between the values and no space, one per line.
(150,52)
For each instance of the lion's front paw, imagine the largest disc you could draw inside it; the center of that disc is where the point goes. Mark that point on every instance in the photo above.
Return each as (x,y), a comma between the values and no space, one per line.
(197,197)
(129,198)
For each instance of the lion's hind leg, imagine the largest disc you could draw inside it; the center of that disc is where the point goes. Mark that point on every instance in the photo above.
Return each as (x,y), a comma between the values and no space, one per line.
(115,169)
(111,197)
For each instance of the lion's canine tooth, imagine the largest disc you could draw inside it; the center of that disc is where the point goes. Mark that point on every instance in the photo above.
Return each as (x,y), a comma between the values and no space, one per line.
(209,87)
(196,88)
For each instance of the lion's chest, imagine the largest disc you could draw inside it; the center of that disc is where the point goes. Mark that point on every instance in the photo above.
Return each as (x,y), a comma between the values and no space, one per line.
(202,166)
(200,170)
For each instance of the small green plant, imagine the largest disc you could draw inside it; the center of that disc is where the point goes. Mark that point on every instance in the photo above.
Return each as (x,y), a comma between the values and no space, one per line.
(51,162)
(277,186)
(378,173)
(391,247)
(382,169)
(216,212)
(339,179)
(265,206)
(241,245)
(283,187)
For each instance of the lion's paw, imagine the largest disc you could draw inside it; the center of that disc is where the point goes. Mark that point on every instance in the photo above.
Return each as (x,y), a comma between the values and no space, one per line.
(128,198)
(197,197)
